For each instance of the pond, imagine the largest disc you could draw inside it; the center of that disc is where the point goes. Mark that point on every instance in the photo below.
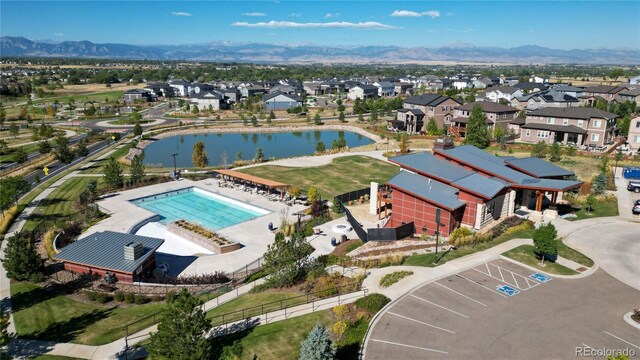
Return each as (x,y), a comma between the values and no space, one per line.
(236,146)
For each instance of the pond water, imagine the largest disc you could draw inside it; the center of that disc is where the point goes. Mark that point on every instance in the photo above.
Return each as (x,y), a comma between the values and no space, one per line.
(274,145)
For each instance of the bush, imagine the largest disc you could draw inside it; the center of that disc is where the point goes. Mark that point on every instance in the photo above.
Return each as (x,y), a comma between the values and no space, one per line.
(91,296)
(48,242)
(372,302)
(140,299)
(129,298)
(102,298)
(37,277)
(118,296)
(393,278)
(7,219)
(459,232)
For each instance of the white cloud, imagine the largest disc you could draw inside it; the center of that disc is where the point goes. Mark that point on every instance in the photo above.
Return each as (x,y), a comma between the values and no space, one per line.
(58,34)
(254,13)
(331,15)
(408,13)
(334,24)
(180,13)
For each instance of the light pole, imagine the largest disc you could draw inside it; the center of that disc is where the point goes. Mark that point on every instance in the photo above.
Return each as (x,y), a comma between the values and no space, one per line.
(174,165)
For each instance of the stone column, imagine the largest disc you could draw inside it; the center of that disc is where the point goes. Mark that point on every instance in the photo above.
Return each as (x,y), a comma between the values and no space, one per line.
(373,198)
(512,204)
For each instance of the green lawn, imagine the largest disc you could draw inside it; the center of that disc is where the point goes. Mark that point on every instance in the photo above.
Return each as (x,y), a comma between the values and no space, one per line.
(429,258)
(603,207)
(97,166)
(60,202)
(80,99)
(54,357)
(43,314)
(341,175)
(525,254)
(11,157)
(279,340)
(574,255)
(252,304)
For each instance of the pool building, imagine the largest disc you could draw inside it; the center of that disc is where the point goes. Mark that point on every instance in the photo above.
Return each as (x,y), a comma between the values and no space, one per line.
(466,186)
(128,257)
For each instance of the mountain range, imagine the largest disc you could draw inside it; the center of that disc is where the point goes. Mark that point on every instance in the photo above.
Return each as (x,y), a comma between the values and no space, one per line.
(276,53)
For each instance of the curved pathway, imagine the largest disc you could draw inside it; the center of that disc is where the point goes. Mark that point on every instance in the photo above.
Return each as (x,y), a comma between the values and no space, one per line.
(107,124)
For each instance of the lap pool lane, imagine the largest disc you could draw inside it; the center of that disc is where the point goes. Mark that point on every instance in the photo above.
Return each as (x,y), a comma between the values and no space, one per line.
(500,310)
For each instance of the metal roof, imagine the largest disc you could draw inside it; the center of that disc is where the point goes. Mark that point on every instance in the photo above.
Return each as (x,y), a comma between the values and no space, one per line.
(481,185)
(105,250)
(537,167)
(429,190)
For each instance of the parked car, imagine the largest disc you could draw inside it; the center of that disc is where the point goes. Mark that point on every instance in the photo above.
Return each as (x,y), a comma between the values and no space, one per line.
(634,186)
(636,208)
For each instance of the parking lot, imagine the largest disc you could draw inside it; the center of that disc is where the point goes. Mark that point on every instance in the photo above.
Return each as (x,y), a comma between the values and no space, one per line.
(500,310)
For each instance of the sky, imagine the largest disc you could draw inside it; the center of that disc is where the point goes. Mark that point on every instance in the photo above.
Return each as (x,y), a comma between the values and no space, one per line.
(553,24)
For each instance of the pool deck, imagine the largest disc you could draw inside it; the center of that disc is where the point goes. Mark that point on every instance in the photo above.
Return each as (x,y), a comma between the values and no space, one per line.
(253,234)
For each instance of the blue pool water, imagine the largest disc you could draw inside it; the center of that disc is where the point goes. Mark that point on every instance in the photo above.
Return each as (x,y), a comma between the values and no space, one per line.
(200,207)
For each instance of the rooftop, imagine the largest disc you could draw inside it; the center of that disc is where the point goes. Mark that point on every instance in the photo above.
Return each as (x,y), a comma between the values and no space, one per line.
(537,167)
(573,113)
(429,190)
(488,107)
(427,99)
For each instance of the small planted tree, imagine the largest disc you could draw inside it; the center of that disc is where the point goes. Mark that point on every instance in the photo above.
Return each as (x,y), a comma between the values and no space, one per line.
(21,260)
(555,152)
(432,127)
(137,129)
(341,117)
(477,132)
(62,151)
(321,147)
(317,346)
(286,260)
(21,155)
(199,156)
(591,199)
(544,241)
(259,155)
(113,174)
(44,147)
(539,150)
(137,169)
(312,194)
(599,184)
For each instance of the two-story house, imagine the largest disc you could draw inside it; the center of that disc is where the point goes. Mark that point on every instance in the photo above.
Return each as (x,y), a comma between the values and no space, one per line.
(281,101)
(569,125)
(363,92)
(634,134)
(418,109)
(496,93)
(497,115)
(385,88)
(545,98)
(180,87)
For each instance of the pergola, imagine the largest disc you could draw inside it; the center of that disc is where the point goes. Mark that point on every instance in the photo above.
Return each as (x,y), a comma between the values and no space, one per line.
(255,180)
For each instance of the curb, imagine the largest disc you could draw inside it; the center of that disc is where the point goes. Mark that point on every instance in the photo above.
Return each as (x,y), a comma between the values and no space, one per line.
(580,275)
(630,321)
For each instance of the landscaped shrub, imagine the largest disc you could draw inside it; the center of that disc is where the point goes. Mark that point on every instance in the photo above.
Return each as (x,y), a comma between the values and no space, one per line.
(171,295)
(458,233)
(327,286)
(129,298)
(102,298)
(91,296)
(140,299)
(47,240)
(118,296)
(7,218)
(372,302)
(394,277)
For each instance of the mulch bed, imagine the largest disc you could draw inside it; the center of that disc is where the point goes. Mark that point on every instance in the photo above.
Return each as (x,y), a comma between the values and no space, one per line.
(395,250)
(342,248)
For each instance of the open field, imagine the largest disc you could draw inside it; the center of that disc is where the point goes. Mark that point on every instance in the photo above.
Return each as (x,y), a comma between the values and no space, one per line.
(252,300)
(43,314)
(342,175)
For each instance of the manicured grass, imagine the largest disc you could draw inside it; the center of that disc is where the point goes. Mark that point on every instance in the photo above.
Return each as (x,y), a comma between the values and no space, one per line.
(525,254)
(574,255)
(393,278)
(128,121)
(429,258)
(341,175)
(81,98)
(97,166)
(11,157)
(43,314)
(607,206)
(252,304)
(54,357)
(279,340)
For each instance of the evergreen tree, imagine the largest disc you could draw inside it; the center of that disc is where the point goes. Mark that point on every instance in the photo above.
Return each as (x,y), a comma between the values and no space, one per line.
(477,132)
(199,156)
(317,346)
(321,147)
(432,127)
(182,332)
(82,150)
(341,117)
(137,129)
(21,155)
(286,260)
(555,152)
(272,115)
(14,130)
(44,147)
(317,120)
(539,150)
(259,155)
(137,169)
(599,184)
(113,174)
(21,260)
(62,151)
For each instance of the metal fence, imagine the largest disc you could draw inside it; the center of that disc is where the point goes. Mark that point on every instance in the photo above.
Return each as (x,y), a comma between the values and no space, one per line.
(353,195)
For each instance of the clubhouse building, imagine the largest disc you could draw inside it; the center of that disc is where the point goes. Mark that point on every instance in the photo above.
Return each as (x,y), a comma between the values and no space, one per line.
(470,188)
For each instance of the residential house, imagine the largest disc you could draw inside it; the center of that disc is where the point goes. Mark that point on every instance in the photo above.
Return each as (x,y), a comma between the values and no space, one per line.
(160,89)
(180,87)
(634,134)
(385,88)
(631,94)
(481,83)
(606,92)
(574,91)
(197,88)
(232,94)
(528,87)
(545,98)
(460,84)
(280,101)
(292,89)
(538,79)
(507,93)
(206,99)
(634,80)
(466,186)
(510,81)
(575,125)
(332,87)
(312,88)
(497,115)
(134,95)
(252,90)
(363,92)
(430,106)
(402,88)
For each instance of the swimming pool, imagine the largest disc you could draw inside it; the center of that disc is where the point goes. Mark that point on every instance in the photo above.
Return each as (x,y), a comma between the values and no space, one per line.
(199,206)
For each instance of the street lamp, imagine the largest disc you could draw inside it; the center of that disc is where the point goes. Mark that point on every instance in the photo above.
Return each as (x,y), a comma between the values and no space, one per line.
(174,165)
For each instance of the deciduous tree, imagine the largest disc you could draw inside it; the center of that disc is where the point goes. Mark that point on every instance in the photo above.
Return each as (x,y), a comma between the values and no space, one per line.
(544,240)
(21,155)
(61,150)
(137,169)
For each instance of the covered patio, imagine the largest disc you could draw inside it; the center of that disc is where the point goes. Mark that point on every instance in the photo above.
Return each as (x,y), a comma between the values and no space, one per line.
(267,185)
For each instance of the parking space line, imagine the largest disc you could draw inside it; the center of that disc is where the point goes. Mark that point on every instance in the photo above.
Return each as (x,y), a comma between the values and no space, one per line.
(621,339)
(482,286)
(440,306)
(502,278)
(420,322)
(500,272)
(410,346)
(459,293)
(515,280)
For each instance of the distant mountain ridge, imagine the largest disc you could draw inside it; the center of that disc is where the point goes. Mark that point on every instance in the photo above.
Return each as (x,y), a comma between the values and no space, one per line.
(274,53)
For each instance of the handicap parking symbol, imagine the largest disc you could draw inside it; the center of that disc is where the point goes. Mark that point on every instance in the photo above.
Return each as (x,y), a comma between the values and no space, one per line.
(540,277)
(507,290)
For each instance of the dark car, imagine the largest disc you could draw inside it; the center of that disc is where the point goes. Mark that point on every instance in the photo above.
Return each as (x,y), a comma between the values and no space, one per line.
(636,208)
(634,186)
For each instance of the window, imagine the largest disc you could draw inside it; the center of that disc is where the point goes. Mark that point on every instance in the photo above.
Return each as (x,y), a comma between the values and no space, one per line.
(596,123)
(444,108)
(581,123)
(550,120)
(565,121)
(527,133)
(595,137)
(542,134)
(636,139)
(504,116)
(637,124)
